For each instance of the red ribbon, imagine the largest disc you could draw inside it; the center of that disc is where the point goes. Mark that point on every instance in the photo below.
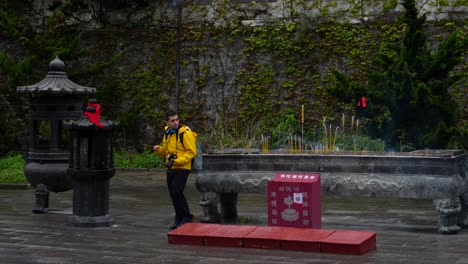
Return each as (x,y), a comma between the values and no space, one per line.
(362,102)
(95,117)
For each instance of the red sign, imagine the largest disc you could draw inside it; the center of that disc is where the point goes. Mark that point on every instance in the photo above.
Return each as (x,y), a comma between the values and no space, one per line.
(296,177)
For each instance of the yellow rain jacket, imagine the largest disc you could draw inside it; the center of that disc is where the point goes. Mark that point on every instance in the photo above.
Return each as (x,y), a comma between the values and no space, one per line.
(185,151)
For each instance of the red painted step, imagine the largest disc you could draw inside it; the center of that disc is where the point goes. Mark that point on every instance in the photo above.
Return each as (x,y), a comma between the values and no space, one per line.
(304,239)
(267,237)
(227,235)
(190,234)
(275,237)
(349,242)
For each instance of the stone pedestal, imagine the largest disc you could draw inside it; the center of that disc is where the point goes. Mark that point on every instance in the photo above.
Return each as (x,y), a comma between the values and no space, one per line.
(209,204)
(42,199)
(448,211)
(91,198)
(462,216)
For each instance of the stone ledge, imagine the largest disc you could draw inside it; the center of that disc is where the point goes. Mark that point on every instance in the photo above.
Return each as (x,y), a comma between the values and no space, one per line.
(15,185)
(139,169)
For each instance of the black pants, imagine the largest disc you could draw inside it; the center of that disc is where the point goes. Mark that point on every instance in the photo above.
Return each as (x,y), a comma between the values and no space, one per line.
(176,181)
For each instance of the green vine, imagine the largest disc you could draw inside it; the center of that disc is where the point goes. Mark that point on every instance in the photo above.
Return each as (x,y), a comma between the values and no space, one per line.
(39,46)
(234,75)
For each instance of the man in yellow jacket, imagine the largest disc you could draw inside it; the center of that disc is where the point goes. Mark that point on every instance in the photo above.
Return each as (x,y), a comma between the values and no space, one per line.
(178,149)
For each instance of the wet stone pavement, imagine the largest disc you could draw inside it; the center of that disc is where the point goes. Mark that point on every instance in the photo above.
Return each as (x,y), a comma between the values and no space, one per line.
(139,202)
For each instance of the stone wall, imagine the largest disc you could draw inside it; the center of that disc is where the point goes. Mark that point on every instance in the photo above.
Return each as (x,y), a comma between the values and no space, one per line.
(136,29)
(156,13)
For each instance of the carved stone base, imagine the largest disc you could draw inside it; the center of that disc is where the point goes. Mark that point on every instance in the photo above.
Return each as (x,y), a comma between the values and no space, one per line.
(448,213)
(210,201)
(42,199)
(462,216)
(209,204)
(91,221)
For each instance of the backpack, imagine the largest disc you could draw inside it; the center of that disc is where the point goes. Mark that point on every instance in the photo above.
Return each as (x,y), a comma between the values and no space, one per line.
(197,162)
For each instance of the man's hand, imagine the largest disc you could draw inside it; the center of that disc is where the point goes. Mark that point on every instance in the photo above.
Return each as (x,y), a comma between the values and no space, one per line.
(156,147)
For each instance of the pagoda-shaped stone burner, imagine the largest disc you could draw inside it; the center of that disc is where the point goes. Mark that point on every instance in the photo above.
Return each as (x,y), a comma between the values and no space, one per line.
(52,101)
(91,167)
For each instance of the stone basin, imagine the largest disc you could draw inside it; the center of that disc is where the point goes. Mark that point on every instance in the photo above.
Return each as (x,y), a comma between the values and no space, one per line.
(410,175)
(428,174)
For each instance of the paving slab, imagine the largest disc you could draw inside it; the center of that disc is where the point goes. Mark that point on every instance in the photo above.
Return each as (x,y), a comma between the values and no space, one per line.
(139,202)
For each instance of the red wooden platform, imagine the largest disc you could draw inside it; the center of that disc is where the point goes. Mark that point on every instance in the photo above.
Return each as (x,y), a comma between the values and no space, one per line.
(275,237)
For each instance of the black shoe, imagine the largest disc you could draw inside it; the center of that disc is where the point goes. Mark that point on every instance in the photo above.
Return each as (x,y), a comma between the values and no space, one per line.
(174,225)
(185,220)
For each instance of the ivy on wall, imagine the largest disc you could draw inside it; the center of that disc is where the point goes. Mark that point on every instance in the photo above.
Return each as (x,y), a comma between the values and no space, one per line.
(233,73)
(408,88)
(27,62)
